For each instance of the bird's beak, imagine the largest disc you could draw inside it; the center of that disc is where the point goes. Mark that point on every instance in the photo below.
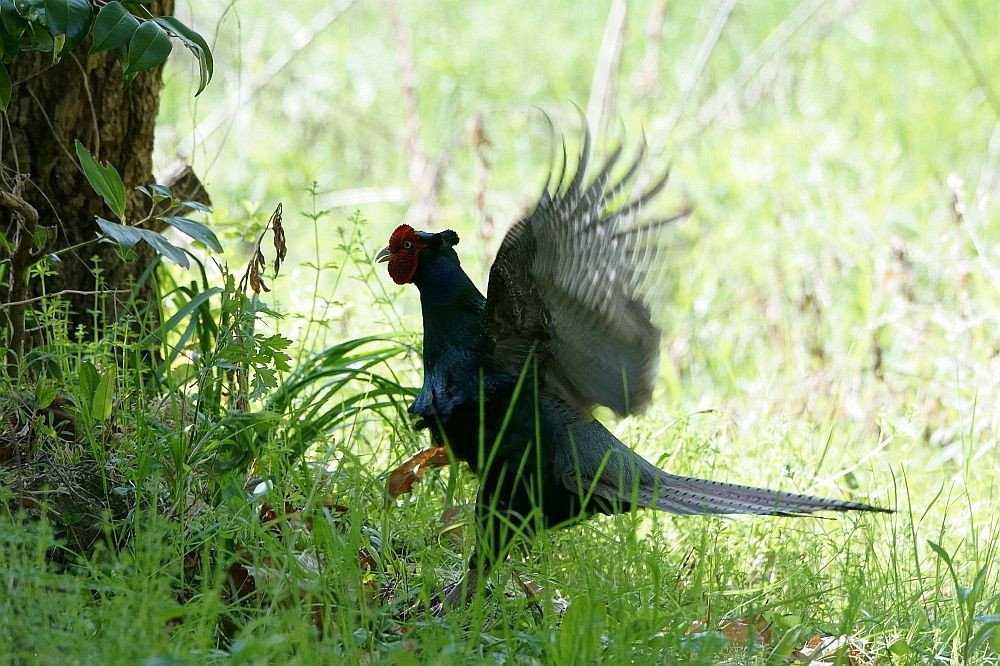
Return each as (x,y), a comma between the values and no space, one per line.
(383,255)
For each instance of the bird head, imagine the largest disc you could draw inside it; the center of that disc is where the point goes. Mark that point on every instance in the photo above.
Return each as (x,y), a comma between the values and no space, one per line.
(409,249)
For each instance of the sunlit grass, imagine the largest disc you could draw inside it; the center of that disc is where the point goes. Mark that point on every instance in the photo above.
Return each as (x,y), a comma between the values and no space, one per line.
(831,328)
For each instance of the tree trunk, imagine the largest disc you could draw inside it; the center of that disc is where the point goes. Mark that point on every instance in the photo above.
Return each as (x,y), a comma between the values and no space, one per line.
(81,97)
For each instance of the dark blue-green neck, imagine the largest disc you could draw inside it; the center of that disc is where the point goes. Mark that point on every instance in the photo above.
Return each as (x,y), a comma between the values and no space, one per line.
(452,307)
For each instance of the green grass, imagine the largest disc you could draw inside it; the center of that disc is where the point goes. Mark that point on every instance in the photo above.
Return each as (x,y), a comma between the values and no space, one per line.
(831,328)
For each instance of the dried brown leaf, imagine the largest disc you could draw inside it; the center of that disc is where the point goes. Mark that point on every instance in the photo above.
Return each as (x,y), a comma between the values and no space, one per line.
(820,650)
(747,630)
(280,246)
(241,580)
(454,520)
(258,264)
(402,478)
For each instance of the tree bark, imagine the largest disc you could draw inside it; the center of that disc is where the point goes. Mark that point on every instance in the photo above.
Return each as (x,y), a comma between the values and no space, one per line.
(81,97)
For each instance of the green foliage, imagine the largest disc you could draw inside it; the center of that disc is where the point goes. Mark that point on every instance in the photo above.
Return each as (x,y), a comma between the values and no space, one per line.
(148,47)
(141,40)
(196,44)
(113,28)
(830,329)
(106,182)
(104,179)
(69,19)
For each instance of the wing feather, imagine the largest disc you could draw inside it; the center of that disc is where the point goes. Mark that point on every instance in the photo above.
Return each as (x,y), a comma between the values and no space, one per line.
(570,286)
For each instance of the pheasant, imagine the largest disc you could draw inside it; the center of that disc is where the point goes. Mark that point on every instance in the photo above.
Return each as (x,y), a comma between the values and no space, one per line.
(510,380)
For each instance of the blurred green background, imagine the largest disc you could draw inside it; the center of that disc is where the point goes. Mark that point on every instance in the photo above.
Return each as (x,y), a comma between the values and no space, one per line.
(830,314)
(838,283)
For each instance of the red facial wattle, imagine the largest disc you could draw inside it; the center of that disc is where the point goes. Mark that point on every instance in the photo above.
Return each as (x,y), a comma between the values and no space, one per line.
(404,248)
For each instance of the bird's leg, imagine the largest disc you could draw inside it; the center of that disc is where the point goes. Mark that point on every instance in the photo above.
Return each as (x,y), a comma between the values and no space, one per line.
(461,593)
(493,538)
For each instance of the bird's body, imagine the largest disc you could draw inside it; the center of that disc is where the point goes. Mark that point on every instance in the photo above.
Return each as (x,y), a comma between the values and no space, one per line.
(509,380)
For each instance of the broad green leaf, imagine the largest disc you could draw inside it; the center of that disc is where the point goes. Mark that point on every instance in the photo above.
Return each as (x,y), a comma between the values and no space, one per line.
(165,247)
(10,38)
(11,20)
(89,379)
(104,395)
(788,642)
(196,44)
(119,233)
(196,205)
(69,17)
(129,236)
(104,179)
(180,315)
(31,10)
(45,393)
(114,27)
(5,88)
(148,48)
(195,230)
(40,40)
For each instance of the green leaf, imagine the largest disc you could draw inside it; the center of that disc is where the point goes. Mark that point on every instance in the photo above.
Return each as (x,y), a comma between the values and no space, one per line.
(180,315)
(114,27)
(148,48)
(196,44)
(129,236)
(119,233)
(45,393)
(196,205)
(104,395)
(41,40)
(788,642)
(165,247)
(11,19)
(31,10)
(5,88)
(10,36)
(104,179)
(88,384)
(195,230)
(69,17)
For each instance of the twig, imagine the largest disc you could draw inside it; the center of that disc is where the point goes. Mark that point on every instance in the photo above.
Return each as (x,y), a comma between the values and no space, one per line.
(602,86)
(423,179)
(481,145)
(728,92)
(959,214)
(708,45)
(63,292)
(26,219)
(298,42)
(648,78)
(970,57)
(364,196)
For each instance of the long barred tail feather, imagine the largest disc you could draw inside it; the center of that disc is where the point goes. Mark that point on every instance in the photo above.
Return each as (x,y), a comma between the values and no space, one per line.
(688,495)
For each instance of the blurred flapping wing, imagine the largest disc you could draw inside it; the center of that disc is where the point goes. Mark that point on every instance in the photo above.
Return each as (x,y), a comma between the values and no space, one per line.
(570,288)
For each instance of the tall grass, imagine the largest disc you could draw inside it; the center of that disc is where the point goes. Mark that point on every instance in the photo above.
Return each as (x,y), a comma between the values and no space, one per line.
(830,318)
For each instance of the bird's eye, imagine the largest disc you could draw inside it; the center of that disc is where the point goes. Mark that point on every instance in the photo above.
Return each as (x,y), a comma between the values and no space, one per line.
(407,245)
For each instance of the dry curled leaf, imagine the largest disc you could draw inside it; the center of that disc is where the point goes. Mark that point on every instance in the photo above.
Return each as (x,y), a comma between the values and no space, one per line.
(454,520)
(747,630)
(823,650)
(280,247)
(252,277)
(402,478)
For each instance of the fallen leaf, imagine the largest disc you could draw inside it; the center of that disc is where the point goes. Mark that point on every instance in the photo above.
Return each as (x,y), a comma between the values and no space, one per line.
(820,650)
(242,580)
(402,478)
(694,628)
(454,520)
